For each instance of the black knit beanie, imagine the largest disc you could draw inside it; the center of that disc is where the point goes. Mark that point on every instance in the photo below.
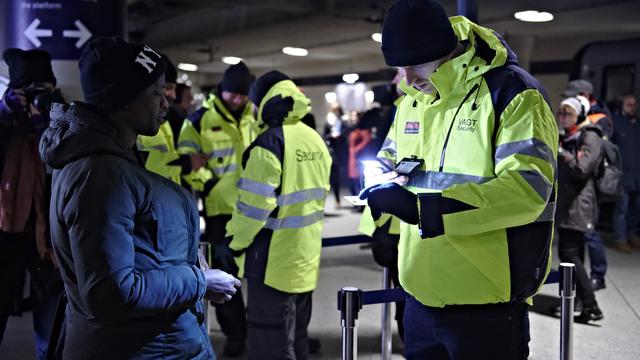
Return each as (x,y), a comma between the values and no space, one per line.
(416,32)
(26,67)
(261,86)
(237,79)
(113,72)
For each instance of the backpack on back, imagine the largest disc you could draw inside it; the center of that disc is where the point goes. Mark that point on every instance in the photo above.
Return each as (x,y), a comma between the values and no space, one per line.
(608,178)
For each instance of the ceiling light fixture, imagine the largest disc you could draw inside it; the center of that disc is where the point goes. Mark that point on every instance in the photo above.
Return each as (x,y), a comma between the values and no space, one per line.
(350,78)
(533,16)
(377,37)
(294,51)
(187,67)
(331,97)
(231,60)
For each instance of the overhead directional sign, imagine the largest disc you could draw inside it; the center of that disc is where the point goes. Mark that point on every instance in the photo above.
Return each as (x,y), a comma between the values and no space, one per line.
(82,33)
(61,27)
(34,34)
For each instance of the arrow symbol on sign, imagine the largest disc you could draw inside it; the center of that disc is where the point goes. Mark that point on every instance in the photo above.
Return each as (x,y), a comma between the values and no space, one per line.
(83,34)
(33,33)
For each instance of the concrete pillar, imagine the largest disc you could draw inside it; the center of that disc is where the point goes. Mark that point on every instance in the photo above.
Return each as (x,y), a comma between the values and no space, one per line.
(61,27)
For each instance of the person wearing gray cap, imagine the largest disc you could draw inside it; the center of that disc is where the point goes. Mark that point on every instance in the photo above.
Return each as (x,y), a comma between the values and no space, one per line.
(600,116)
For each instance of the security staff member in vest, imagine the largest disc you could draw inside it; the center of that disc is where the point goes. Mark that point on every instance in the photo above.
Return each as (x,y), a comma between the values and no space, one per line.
(222,129)
(478,214)
(278,219)
(161,155)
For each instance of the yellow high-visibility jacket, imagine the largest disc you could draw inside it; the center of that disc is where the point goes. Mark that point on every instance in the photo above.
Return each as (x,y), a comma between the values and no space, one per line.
(277,221)
(212,130)
(487,188)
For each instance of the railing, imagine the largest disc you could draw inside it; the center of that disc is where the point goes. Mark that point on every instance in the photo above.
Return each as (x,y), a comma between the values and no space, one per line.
(351,300)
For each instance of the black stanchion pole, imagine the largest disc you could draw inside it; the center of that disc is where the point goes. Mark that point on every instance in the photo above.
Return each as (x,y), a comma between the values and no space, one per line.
(385,351)
(567,288)
(349,304)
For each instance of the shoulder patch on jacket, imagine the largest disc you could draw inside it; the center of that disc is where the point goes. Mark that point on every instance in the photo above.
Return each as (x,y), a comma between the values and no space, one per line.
(271,140)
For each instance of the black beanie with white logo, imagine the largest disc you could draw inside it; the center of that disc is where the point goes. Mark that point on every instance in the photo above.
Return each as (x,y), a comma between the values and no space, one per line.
(113,72)
(416,32)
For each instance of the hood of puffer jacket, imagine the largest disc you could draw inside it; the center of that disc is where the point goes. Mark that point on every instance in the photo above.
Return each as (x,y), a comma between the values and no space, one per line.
(285,88)
(485,50)
(76,131)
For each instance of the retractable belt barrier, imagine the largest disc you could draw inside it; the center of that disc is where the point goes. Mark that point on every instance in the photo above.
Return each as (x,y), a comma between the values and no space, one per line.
(351,300)
(346,240)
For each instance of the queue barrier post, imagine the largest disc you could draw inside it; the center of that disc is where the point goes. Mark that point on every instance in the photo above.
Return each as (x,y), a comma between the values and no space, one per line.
(567,289)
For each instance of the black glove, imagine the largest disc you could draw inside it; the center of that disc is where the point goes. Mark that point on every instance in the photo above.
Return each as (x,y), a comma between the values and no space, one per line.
(276,110)
(385,247)
(393,199)
(208,186)
(224,257)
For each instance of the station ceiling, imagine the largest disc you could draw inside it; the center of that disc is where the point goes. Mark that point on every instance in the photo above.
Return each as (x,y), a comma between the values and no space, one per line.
(337,33)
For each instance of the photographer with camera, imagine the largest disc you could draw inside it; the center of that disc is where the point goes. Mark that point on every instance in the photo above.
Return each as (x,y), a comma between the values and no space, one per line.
(25,193)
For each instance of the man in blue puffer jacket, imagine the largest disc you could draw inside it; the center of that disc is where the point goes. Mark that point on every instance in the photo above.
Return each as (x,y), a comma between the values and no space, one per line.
(126,239)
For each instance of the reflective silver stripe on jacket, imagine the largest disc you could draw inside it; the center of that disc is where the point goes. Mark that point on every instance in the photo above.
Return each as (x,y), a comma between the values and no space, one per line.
(222,152)
(389,146)
(538,182)
(294,222)
(302,196)
(161,148)
(189,144)
(252,211)
(440,180)
(530,147)
(548,214)
(256,187)
(223,170)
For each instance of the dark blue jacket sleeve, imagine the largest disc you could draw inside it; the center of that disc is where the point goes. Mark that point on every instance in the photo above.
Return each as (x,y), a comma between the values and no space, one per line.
(99,216)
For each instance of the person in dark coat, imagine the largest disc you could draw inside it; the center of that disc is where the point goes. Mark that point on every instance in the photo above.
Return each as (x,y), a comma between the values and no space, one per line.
(126,238)
(627,211)
(578,160)
(24,194)
(597,114)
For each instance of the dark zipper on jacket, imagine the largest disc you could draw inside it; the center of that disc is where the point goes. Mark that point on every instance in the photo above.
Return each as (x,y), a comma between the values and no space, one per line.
(232,121)
(446,140)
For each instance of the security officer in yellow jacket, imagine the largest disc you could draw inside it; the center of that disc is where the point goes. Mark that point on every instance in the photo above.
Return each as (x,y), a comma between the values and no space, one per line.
(162,155)
(477,215)
(222,129)
(276,227)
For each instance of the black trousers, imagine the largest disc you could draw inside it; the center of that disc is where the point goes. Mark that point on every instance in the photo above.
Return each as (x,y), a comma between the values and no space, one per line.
(466,332)
(231,315)
(278,323)
(334,180)
(571,245)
